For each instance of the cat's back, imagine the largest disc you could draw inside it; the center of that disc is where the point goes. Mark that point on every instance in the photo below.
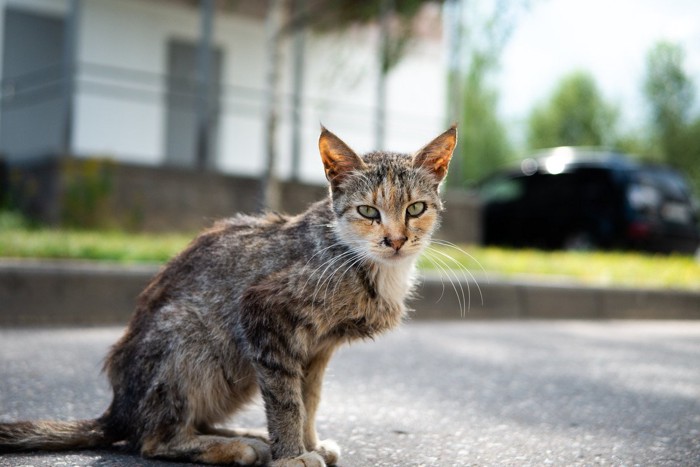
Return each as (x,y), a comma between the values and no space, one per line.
(202,285)
(235,252)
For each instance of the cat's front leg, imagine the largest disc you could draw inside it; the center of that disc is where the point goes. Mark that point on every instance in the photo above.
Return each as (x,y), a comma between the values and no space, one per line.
(278,353)
(284,407)
(313,381)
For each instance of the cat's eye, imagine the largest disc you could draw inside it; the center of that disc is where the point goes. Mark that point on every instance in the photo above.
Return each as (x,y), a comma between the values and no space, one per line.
(416,209)
(368,212)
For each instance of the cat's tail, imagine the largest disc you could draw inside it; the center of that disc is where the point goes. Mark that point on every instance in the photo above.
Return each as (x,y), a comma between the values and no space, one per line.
(53,435)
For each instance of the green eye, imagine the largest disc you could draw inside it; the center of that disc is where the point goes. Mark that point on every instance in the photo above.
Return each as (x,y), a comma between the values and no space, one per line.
(368,211)
(416,209)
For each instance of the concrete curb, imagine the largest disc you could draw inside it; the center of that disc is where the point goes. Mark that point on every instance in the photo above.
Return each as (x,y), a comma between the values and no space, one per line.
(528,299)
(66,293)
(36,293)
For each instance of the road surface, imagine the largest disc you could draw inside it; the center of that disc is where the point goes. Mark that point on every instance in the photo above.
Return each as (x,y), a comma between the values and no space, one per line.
(433,394)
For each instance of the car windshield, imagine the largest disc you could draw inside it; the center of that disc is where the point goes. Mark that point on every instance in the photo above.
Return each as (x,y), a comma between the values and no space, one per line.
(668,183)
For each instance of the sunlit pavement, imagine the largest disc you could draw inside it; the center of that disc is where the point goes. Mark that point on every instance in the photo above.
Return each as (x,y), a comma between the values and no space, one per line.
(436,394)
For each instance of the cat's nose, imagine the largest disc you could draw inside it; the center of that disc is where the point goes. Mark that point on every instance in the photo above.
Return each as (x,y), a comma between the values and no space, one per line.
(395,243)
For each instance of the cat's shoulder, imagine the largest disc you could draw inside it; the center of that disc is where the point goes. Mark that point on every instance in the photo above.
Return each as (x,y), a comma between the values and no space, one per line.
(319,212)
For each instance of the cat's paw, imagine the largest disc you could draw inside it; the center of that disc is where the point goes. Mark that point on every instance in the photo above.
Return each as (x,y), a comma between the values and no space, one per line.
(308,459)
(329,450)
(241,451)
(258,452)
(208,449)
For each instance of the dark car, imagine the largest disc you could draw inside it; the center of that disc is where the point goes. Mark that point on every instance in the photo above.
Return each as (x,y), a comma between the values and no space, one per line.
(574,198)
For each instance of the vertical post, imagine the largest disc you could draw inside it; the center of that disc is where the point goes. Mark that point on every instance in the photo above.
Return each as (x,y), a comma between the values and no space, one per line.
(299,53)
(204,52)
(70,47)
(386,9)
(271,195)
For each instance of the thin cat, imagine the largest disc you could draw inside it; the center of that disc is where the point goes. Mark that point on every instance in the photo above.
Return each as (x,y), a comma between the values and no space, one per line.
(260,304)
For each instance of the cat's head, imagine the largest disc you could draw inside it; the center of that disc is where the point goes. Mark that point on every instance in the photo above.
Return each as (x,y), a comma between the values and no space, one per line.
(386,204)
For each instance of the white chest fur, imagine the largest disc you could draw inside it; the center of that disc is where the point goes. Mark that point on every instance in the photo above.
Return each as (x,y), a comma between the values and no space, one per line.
(394,281)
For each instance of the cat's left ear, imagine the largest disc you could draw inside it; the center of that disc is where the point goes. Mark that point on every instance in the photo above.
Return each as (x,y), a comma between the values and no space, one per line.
(338,159)
(435,156)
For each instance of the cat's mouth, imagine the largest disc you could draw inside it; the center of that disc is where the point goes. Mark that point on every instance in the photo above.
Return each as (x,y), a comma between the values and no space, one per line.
(396,255)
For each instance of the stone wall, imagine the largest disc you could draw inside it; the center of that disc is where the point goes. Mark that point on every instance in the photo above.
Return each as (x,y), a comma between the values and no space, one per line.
(97,193)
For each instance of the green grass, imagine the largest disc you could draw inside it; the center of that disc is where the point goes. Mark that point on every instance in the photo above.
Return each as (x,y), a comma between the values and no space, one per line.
(86,245)
(592,268)
(625,269)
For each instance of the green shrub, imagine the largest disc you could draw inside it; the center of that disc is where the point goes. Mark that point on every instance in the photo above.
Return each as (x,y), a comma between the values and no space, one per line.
(88,184)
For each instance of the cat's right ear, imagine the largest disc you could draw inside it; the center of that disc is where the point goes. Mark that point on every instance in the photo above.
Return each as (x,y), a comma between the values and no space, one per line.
(338,159)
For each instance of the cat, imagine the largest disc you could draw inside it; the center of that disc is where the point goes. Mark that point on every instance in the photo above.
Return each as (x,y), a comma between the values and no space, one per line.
(259,304)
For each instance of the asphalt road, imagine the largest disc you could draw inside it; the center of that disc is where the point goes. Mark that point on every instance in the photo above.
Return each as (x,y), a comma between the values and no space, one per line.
(434,394)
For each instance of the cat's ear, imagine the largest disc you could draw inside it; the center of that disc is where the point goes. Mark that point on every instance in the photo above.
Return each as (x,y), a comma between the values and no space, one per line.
(338,159)
(435,156)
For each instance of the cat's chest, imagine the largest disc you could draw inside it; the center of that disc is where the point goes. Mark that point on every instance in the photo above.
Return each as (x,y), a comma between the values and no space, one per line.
(393,283)
(386,309)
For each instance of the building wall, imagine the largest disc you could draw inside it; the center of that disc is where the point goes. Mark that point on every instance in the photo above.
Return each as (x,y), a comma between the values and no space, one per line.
(120,102)
(33,105)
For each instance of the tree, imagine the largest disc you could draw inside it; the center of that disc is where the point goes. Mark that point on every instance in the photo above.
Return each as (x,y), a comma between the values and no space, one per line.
(670,93)
(687,157)
(484,145)
(575,115)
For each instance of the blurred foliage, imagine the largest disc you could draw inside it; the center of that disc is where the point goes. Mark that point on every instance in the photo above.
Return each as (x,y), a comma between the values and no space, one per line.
(592,268)
(116,246)
(575,115)
(670,93)
(484,143)
(87,186)
(12,220)
(332,15)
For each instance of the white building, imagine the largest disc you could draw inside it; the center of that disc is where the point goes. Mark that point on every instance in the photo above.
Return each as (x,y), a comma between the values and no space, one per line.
(130,95)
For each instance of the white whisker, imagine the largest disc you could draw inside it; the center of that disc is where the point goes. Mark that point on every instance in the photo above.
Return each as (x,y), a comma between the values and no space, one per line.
(311,274)
(464,271)
(328,264)
(451,245)
(447,244)
(460,299)
(358,260)
(327,281)
(442,273)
